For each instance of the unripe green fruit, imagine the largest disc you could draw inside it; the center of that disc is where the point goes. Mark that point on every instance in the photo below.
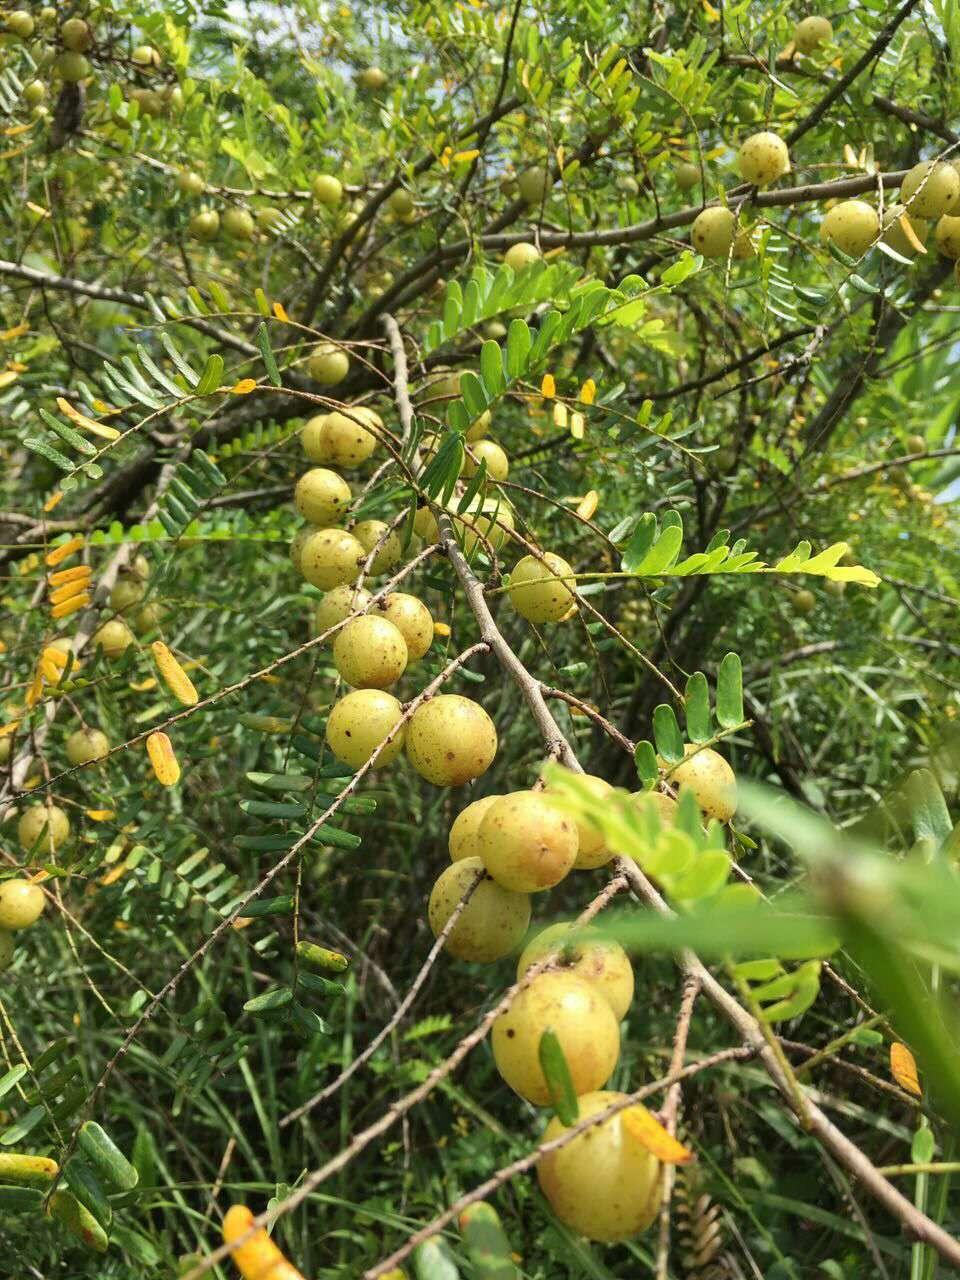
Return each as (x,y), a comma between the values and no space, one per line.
(464,838)
(270,219)
(400,203)
(389,553)
(947,236)
(370,653)
(917,444)
(20,23)
(190,183)
(526,843)
(451,740)
(895,236)
(239,223)
(327,189)
(34,91)
(592,850)
(687,175)
(322,496)
(852,225)
(21,904)
(488,451)
(711,780)
(6,950)
(139,567)
(328,365)
(75,34)
(113,638)
(72,67)
(85,745)
(47,13)
(521,255)
(579,1017)
(587,954)
(358,724)
(412,619)
(490,521)
(812,32)
(372,78)
(542,590)
(205,225)
(533,185)
(48,819)
(344,438)
(127,592)
(150,616)
(145,56)
(604,1184)
(330,557)
(338,604)
(834,588)
(149,102)
(763,158)
(931,189)
(493,922)
(714,234)
(804,601)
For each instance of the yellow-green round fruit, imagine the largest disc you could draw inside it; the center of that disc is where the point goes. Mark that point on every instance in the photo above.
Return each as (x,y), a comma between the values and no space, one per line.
(270,219)
(342,437)
(852,225)
(328,365)
(687,175)
(75,34)
(588,954)
(479,427)
(190,183)
(358,724)
(664,806)
(464,838)
(144,55)
(72,67)
(113,638)
(412,619)
(127,592)
(713,231)
(85,745)
(239,223)
(400,202)
(389,551)
(6,949)
(370,653)
(205,225)
(372,78)
(48,819)
(149,101)
(533,185)
(916,444)
(488,451)
(940,191)
(834,588)
(447,385)
(711,780)
(451,740)
(947,236)
(425,525)
(34,92)
(894,234)
(311,437)
(763,158)
(521,255)
(604,1184)
(338,604)
(527,843)
(804,601)
(579,1017)
(20,23)
(542,590)
(592,850)
(330,557)
(321,496)
(493,922)
(489,521)
(21,904)
(812,32)
(327,189)
(150,616)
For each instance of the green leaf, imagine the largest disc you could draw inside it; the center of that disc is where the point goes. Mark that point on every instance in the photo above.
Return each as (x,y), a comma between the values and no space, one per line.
(491,369)
(519,342)
(640,543)
(282,906)
(269,359)
(666,734)
(107,1158)
(662,554)
(645,758)
(730,692)
(556,1072)
(211,376)
(88,1189)
(696,705)
(431,1261)
(486,1243)
(928,809)
(269,1001)
(705,877)
(11,1077)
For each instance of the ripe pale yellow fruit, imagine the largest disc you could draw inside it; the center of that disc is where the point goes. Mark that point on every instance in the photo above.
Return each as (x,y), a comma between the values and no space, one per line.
(664,806)
(533,185)
(603,1184)
(345,439)
(493,922)
(542,590)
(372,78)
(127,592)
(479,428)
(72,67)
(711,780)
(586,953)
(947,236)
(376,533)
(270,219)
(686,175)
(338,604)
(113,638)
(852,225)
(451,740)
(370,653)
(464,841)
(205,225)
(592,850)
(526,843)
(894,234)
(75,34)
(488,451)
(145,56)
(34,92)
(763,158)
(190,183)
(810,33)
(713,232)
(328,365)
(48,819)
(489,520)
(521,255)
(412,619)
(311,437)
(330,557)
(359,722)
(21,904)
(321,496)
(446,385)
(931,189)
(6,949)
(578,1015)
(239,223)
(327,189)
(20,23)
(85,745)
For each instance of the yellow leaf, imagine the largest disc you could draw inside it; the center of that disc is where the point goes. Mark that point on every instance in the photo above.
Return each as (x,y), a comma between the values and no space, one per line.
(165,766)
(101,406)
(246,385)
(907,227)
(142,686)
(9,728)
(559,414)
(17,331)
(38,209)
(35,691)
(441,629)
(67,591)
(70,575)
(577,425)
(588,505)
(645,1128)
(7,377)
(280,312)
(464,156)
(114,874)
(849,155)
(70,606)
(174,676)
(588,392)
(548,387)
(903,1068)
(445,155)
(81,420)
(65,549)
(56,656)
(101,815)
(54,500)
(713,15)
